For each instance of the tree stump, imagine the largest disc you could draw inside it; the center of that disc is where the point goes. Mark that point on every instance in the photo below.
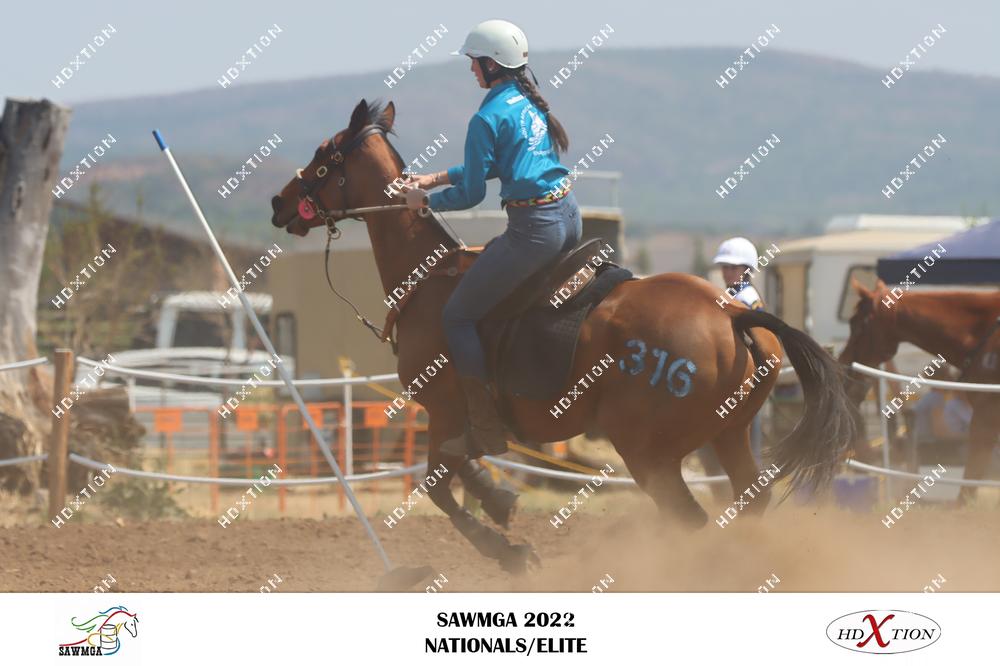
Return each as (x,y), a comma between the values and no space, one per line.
(31,144)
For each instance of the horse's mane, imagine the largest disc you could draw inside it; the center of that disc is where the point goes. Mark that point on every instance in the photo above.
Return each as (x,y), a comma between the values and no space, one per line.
(375,109)
(91,624)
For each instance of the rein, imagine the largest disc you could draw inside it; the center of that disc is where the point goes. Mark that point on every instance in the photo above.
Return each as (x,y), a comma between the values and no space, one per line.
(310,206)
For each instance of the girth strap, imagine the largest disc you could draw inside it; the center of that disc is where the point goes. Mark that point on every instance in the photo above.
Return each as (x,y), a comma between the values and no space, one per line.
(461,265)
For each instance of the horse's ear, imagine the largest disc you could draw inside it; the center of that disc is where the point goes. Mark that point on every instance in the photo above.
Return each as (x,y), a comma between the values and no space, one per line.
(359,118)
(388,116)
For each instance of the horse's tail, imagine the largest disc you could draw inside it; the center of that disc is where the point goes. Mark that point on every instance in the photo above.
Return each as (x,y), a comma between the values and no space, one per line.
(811,453)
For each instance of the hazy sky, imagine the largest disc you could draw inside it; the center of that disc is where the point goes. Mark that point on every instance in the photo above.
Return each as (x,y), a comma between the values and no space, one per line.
(186,45)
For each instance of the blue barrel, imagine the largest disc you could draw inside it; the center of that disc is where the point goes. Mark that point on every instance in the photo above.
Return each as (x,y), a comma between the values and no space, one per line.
(855,492)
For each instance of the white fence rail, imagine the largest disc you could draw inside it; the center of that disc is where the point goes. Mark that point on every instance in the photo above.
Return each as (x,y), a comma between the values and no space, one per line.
(508,464)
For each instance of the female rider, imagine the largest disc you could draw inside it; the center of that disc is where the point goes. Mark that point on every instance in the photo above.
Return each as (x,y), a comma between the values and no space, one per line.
(514,138)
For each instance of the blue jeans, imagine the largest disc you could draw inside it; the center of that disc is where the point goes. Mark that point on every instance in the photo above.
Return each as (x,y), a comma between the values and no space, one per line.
(534,236)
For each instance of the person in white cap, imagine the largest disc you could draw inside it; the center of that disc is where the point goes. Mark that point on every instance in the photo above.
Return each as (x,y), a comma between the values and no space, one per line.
(737,257)
(512,137)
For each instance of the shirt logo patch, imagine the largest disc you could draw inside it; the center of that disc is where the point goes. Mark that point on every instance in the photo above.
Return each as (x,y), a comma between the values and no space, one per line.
(515,98)
(535,124)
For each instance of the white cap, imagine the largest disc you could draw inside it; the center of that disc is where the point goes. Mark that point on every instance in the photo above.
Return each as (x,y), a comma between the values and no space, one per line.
(737,251)
(501,40)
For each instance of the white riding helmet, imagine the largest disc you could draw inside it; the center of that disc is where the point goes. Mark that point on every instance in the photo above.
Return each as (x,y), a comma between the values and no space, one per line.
(501,40)
(738,251)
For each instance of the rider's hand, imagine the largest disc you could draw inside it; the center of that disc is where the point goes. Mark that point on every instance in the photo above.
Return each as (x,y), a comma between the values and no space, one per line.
(426,181)
(416,198)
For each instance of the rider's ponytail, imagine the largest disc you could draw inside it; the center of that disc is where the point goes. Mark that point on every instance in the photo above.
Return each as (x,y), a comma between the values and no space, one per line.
(556,132)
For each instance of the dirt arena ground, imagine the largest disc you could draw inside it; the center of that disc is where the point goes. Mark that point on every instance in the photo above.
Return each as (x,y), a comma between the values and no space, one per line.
(807,549)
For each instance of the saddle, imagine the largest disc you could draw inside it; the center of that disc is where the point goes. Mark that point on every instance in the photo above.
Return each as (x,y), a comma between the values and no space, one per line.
(530,337)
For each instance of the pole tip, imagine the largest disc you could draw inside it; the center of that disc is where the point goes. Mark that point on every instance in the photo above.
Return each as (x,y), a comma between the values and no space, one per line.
(159,139)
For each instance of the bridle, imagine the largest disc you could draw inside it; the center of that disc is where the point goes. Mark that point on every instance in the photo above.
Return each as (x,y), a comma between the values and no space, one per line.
(335,159)
(309,202)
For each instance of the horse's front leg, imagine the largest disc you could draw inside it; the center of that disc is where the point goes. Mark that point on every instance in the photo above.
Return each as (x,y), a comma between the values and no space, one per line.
(514,558)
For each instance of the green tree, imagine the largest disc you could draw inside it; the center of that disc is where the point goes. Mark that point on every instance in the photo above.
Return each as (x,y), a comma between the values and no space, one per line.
(110,307)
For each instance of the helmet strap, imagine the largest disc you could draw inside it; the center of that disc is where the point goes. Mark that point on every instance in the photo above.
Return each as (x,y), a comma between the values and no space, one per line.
(533,78)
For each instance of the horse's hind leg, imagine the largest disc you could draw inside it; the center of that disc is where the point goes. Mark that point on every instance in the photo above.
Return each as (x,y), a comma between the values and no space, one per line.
(497,502)
(514,558)
(732,446)
(663,482)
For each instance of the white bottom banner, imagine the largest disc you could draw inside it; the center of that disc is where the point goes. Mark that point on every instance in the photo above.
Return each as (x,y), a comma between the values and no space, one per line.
(462,628)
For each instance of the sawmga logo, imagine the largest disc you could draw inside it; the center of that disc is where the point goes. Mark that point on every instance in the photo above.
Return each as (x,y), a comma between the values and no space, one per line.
(103,633)
(883,631)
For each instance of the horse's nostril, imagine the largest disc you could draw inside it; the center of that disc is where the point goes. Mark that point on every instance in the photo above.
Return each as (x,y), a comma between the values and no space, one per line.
(276,203)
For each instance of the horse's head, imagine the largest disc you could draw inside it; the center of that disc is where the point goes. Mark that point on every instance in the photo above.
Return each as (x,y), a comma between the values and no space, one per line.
(132,625)
(336,177)
(872,340)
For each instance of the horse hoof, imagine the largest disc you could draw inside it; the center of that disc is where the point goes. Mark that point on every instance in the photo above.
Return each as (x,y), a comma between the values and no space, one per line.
(500,507)
(520,559)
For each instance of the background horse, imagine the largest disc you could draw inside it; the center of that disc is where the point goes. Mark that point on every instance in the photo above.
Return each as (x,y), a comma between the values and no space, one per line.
(654,412)
(958,325)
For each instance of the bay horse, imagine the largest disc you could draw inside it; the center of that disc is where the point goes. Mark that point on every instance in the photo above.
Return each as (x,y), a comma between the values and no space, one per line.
(653,424)
(958,325)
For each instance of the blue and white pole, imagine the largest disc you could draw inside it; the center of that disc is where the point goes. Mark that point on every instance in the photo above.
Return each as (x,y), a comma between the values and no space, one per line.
(282,371)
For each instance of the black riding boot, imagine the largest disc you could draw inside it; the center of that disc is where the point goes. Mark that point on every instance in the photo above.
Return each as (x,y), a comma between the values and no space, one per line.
(484,432)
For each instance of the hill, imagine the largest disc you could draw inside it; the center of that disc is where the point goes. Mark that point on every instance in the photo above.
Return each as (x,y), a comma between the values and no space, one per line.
(677,136)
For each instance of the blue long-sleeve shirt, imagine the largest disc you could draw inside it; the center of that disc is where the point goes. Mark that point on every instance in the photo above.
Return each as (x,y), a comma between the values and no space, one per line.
(508,139)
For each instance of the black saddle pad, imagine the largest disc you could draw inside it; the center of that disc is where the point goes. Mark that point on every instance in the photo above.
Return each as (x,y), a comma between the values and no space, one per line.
(536,349)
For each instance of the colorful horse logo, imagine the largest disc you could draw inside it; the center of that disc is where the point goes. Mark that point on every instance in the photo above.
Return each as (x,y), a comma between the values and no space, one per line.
(102,632)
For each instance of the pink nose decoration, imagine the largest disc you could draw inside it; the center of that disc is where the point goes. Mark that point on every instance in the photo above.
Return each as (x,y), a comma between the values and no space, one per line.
(306,211)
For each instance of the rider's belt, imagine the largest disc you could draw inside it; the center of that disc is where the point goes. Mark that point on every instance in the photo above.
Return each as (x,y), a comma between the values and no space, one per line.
(554,195)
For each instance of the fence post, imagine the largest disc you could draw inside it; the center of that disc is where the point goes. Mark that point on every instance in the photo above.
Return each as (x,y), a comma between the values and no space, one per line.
(883,397)
(282,456)
(59,439)
(213,455)
(347,369)
(341,457)
(170,457)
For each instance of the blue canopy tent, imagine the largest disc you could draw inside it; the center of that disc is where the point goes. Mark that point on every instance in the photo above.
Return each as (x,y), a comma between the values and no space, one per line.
(969,257)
